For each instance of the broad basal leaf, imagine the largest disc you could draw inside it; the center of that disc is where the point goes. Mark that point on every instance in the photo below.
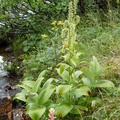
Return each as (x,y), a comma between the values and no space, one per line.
(32,98)
(28,83)
(20,96)
(31,106)
(84,90)
(26,88)
(48,82)
(63,109)
(35,114)
(45,94)
(37,84)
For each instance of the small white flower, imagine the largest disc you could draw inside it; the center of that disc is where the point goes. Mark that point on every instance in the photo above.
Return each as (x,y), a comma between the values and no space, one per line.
(51,110)
(93,103)
(49,68)
(47,2)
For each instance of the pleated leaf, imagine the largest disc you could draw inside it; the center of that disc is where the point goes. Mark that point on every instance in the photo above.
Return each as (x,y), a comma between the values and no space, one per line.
(84,90)
(63,109)
(37,84)
(45,94)
(36,114)
(20,96)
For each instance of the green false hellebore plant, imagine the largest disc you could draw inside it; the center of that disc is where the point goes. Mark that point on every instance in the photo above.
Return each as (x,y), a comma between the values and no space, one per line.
(36,97)
(93,72)
(70,90)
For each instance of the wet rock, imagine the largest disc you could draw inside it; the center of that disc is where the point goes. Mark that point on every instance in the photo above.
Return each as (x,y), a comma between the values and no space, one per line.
(1,41)
(3,117)
(18,114)
(10,87)
(8,90)
(5,102)
(8,49)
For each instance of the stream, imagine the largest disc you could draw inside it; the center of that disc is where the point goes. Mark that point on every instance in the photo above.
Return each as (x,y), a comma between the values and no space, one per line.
(7,86)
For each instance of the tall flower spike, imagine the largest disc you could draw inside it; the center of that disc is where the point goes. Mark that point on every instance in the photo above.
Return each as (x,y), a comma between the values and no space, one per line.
(69,31)
(70,15)
(75,6)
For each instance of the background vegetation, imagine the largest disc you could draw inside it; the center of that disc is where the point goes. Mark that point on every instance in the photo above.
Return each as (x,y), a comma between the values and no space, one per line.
(33,29)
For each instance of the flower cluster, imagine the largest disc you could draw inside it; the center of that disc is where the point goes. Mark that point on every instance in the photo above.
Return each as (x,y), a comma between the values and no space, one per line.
(51,114)
(54,23)
(43,35)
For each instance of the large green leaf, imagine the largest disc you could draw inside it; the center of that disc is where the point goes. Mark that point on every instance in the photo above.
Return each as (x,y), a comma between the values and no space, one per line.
(36,114)
(88,73)
(32,98)
(47,83)
(32,106)
(77,109)
(63,109)
(45,94)
(28,83)
(104,83)
(62,89)
(21,96)
(84,90)
(37,84)
(27,88)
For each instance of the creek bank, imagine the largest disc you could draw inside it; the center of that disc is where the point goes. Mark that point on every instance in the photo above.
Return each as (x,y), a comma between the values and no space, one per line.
(9,110)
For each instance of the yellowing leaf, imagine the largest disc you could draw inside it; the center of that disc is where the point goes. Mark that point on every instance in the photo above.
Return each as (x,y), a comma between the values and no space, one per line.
(84,90)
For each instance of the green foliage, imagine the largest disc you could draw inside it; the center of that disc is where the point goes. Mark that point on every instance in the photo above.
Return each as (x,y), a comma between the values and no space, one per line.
(93,73)
(44,53)
(71,92)
(35,113)
(36,96)
(63,109)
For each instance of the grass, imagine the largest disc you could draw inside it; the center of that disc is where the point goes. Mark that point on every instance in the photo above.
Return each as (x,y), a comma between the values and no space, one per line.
(102,39)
